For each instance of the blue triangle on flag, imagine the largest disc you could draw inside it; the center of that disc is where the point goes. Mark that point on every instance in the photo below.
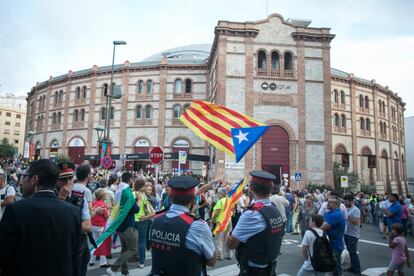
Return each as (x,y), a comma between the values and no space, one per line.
(244,138)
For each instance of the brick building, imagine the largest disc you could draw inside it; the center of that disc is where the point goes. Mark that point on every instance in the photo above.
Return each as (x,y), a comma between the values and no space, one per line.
(275,70)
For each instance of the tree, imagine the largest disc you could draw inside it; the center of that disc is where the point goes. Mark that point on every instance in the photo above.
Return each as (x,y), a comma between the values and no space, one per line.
(353,178)
(6,149)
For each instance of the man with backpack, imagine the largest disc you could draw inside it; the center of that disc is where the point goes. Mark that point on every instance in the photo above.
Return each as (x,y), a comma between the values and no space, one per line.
(7,194)
(316,249)
(334,225)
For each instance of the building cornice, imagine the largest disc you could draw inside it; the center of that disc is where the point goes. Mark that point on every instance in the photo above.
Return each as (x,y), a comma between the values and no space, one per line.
(313,37)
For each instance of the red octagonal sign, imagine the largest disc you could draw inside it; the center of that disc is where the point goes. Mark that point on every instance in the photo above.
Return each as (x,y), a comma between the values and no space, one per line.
(156,155)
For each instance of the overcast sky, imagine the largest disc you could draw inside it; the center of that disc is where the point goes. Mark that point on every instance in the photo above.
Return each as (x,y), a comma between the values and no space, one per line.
(38,39)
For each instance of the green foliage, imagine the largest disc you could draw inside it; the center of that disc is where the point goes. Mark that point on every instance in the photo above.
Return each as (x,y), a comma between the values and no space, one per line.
(312,187)
(60,158)
(6,149)
(353,179)
(368,189)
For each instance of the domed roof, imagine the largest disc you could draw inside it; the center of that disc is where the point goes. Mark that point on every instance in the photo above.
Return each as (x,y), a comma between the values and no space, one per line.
(195,53)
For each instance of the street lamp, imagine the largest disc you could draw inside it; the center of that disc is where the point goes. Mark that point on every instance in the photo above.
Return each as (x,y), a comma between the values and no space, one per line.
(109,96)
(100,131)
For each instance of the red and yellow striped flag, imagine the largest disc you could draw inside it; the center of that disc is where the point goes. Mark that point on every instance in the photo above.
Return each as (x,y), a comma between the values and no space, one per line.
(226,129)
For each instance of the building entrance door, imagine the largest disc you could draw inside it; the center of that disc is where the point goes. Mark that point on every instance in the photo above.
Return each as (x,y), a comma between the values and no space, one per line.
(275,152)
(76,150)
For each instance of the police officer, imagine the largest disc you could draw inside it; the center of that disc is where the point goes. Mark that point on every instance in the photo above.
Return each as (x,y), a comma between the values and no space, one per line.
(257,236)
(182,244)
(65,192)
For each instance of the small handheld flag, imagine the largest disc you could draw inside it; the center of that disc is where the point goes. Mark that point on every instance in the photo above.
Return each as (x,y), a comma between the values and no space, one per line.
(230,203)
(226,129)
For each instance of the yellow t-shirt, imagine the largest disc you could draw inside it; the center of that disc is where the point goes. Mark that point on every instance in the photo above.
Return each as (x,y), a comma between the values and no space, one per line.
(142,205)
(219,208)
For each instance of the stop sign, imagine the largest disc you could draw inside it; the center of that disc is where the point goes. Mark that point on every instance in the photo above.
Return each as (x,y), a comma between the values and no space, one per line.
(156,155)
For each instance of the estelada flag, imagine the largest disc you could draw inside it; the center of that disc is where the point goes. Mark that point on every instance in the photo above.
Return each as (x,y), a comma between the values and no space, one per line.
(226,129)
(229,205)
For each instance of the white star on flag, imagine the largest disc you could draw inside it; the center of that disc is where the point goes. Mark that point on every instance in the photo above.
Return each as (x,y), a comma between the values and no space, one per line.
(242,136)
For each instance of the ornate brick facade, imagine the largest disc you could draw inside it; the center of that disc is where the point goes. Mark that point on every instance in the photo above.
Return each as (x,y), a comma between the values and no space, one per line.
(275,70)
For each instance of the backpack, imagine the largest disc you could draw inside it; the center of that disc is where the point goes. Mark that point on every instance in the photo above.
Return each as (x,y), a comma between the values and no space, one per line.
(322,259)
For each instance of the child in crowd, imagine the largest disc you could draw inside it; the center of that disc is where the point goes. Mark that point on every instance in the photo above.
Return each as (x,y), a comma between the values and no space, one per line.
(98,226)
(400,255)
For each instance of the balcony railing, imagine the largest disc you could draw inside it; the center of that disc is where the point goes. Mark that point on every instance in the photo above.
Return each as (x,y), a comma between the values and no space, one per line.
(275,73)
(288,73)
(261,72)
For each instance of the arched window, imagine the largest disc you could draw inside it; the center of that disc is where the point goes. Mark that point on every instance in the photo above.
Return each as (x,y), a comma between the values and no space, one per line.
(275,60)
(76,115)
(361,101)
(140,87)
(188,86)
(103,113)
(78,93)
(362,123)
(385,128)
(54,118)
(261,60)
(186,106)
(342,97)
(288,61)
(148,112)
(383,108)
(379,106)
(56,98)
(336,120)
(149,86)
(177,111)
(343,120)
(368,124)
(177,86)
(336,96)
(112,112)
(138,112)
(381,128)
(84,89)
(61,96)
(366,102)
(82,115)
(401,137)
(105,89)
(59,117)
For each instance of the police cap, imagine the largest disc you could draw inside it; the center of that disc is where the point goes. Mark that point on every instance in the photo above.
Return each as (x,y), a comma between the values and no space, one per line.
(183,185)
(262,177)
(66,169)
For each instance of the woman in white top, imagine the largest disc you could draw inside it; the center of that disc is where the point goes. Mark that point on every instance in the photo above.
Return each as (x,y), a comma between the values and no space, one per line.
(309,238)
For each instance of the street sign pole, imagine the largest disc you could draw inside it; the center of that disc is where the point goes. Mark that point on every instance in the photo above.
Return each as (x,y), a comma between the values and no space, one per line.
(156,174)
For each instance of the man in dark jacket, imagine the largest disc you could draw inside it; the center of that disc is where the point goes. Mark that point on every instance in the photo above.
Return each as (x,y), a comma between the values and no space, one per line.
(40,234)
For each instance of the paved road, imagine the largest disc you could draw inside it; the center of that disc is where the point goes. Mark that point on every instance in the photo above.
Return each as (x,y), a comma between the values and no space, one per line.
(373,252)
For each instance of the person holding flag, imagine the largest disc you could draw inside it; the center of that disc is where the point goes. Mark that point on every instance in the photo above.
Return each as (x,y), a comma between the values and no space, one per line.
(222,213)
(257,236)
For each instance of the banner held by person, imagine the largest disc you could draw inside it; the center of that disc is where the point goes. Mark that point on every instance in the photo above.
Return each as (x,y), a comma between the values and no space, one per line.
(226,129)
(122,204)
(230,203)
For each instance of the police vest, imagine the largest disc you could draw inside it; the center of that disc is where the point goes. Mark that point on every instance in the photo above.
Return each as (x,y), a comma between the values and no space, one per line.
(76,198)
(170,256)
(264,247)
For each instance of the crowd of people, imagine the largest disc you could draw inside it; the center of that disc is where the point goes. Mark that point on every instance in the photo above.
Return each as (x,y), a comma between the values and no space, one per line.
(327,223)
